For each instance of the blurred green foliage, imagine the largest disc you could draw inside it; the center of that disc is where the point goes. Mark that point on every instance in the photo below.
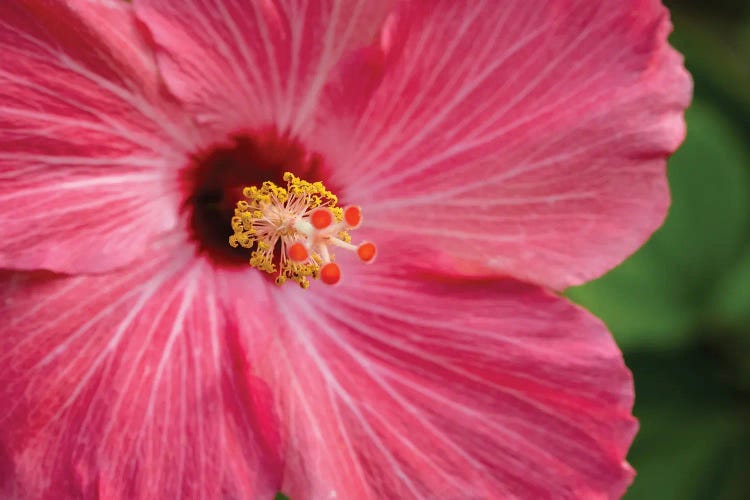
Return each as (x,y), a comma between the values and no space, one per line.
(680,307)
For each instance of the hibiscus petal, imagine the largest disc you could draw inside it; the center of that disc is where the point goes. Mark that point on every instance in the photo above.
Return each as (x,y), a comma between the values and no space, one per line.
(242,64)
(527,140)
(129,386)
(83,146)
(394,385)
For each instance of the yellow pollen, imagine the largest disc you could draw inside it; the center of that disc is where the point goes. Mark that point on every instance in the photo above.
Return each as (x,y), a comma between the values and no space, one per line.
(303,217)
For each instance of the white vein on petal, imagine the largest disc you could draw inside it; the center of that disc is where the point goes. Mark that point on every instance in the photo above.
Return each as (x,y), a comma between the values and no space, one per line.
(445,107)
(369,366)
(334,384)
(457,99)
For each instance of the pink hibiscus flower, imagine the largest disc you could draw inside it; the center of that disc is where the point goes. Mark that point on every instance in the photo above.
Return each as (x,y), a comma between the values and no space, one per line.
(499,153)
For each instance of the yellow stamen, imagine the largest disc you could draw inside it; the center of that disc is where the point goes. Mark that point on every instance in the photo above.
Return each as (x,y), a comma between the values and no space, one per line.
(274,218)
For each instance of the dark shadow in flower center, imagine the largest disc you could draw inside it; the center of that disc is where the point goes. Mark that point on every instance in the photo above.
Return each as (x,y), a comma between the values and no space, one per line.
(214,179)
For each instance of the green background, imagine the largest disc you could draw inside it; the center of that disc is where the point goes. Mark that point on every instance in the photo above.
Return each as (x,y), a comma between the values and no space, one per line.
(680,307)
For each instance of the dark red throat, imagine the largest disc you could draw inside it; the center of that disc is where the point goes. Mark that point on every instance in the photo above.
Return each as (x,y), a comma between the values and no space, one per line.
(214,179)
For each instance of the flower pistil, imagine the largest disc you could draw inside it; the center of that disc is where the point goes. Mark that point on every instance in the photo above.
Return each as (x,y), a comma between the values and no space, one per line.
(293,230)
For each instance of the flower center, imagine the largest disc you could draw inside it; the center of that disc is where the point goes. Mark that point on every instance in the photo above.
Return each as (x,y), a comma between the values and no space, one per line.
(293,230)
(213,179)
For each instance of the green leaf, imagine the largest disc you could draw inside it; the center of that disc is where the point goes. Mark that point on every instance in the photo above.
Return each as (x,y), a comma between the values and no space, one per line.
(715,52)
(731,305)
(681,455)
(693,439)
(655,298)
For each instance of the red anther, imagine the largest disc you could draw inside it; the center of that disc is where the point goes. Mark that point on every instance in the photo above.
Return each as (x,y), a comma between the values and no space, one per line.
(297,252)
(330,274)
(366,251)
(353,216)
(321,218)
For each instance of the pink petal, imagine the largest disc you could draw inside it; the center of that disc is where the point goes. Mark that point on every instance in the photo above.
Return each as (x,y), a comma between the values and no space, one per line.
(251,64)
(528,140)
(85,150)
(390,386)
(130,386)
